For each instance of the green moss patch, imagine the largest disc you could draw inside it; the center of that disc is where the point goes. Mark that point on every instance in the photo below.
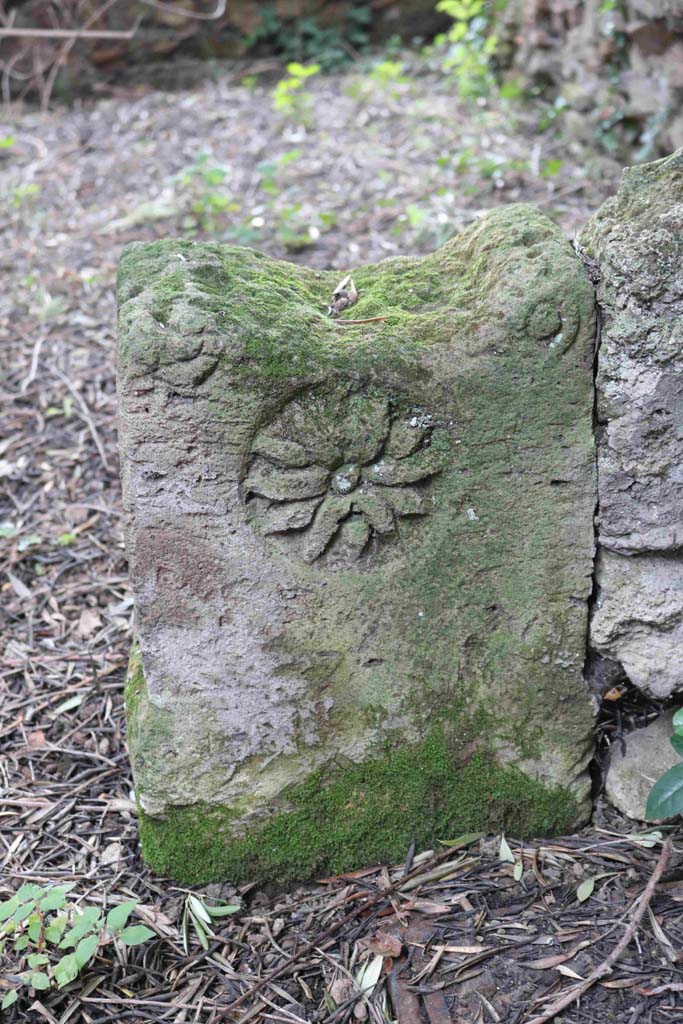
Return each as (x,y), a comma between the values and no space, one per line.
(370,812)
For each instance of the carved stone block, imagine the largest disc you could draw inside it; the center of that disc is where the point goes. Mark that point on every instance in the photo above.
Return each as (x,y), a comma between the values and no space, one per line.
(361,552)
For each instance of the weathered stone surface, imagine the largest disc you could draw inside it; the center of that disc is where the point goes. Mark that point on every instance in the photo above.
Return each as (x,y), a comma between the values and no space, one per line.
(638,619)
(361,554)
(637,240)
(647,754)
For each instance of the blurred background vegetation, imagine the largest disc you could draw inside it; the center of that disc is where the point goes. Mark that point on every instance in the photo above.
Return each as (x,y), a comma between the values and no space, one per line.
(611,70)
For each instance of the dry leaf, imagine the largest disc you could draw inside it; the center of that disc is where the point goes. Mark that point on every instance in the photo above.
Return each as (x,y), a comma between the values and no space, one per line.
(465,950)
(88,623)
(428,907)
(19,588)
(559,958)
(36,739)
(111,854)
(569,973)
(343,296)
(585,890)
(505,854)
(341,990)
(384,944)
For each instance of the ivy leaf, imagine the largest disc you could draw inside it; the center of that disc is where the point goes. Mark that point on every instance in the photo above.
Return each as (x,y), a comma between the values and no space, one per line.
(666,796)
(135,935)
(117,916)
(21,943)
(86,949)
(9,999)
(39,981)
(35,927)
(90,920)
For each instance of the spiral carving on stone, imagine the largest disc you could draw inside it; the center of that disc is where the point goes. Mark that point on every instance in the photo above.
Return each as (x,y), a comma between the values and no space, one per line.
(553,323)
(339,471)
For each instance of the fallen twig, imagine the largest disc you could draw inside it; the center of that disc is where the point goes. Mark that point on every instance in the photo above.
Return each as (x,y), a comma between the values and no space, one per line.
(606,966)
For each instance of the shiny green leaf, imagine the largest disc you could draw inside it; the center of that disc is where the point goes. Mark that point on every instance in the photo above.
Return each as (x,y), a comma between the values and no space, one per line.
(666,796)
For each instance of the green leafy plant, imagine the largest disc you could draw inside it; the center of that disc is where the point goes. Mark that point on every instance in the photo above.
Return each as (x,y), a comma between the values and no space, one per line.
(290,96)
(293,228)
(201,916)
(305,38)
(46,942)
(271,171)
(205,184)
(666,796)
(470,46)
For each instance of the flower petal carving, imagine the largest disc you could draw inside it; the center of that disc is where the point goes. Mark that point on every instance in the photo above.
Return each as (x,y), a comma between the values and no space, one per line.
(339,470)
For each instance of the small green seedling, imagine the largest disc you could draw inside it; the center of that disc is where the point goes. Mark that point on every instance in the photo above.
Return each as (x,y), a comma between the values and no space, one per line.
(202,916)
(45,941)
(666,796)
(289,95)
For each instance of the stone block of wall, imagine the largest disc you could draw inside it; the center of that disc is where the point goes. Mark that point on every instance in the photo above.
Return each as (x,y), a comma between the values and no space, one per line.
(361,553)
(637,240)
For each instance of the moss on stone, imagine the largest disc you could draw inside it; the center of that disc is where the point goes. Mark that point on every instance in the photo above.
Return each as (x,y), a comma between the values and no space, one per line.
(272,314)
(367,813)
(352,814)
(134,688)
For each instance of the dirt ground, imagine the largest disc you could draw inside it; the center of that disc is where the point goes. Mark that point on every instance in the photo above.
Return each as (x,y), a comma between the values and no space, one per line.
(364,167)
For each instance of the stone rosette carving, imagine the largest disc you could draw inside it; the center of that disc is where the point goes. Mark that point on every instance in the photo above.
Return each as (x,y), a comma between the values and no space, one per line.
(339,472)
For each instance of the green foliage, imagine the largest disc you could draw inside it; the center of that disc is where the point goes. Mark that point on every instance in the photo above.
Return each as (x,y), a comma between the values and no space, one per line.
(290,96)
(270,171)
(305,39)
(551,113)
(46,941)
(389,72)
(666,796)
(22,195)
(209,198)
(469,45)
